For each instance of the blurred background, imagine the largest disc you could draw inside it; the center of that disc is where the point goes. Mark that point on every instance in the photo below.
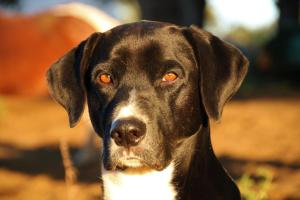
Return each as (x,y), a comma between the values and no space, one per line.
(258,140)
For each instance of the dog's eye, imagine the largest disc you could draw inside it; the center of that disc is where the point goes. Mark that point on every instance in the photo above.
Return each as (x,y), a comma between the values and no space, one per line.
(170,76)
(105,79)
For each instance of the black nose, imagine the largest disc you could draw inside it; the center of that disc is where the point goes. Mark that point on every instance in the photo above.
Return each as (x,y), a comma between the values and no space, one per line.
(128,132)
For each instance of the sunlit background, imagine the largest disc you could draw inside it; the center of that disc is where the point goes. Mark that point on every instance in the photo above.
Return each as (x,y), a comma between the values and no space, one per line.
(257,140)
(253,14)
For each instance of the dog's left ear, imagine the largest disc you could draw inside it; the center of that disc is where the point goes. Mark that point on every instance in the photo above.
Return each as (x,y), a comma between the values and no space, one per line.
(66,78)
(222,69)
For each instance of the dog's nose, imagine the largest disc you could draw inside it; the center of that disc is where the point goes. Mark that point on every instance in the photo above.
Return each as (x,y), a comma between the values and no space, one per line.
(128,132)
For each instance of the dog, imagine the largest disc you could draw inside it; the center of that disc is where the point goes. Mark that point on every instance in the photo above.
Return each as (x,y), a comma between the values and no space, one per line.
(151,90)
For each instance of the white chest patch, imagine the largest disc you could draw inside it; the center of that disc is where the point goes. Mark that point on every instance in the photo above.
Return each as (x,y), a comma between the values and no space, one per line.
(147,186)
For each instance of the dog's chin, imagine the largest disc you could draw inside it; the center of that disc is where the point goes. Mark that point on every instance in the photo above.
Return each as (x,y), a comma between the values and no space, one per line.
(133,166)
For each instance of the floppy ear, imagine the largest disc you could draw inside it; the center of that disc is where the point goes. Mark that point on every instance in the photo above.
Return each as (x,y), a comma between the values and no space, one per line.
(222,69)
(66,78)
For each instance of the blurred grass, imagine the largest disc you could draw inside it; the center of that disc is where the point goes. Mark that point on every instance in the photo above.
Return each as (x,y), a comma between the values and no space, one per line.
(256,186)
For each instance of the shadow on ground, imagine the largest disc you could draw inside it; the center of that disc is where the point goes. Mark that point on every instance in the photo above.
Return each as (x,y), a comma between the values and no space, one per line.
(44,160)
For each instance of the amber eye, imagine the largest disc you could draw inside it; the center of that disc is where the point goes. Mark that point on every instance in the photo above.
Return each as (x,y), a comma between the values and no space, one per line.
(104,78)
(170,76)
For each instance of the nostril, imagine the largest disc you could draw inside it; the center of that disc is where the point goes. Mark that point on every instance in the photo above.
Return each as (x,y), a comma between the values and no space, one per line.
(135,133)
(116,136)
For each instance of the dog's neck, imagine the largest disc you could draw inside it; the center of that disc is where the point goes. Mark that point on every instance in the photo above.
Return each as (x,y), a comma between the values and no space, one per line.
(146,185)
(199,174)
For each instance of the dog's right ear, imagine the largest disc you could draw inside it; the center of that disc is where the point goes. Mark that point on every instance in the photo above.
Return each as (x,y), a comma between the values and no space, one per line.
(66,77)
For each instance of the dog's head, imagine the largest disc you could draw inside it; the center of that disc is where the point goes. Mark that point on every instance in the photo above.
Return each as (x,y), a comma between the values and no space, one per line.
(148,86)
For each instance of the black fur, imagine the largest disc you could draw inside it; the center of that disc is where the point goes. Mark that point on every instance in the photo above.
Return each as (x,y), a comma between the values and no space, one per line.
(137,55)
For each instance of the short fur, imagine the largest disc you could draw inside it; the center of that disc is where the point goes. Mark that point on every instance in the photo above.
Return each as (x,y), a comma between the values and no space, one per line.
(137,56)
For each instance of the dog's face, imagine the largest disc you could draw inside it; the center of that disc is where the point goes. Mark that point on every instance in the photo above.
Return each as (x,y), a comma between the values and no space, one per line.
(152,76)
(149,86)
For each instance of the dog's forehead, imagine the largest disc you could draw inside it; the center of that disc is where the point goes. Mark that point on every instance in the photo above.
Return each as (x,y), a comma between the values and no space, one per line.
(141,29)
(145,43)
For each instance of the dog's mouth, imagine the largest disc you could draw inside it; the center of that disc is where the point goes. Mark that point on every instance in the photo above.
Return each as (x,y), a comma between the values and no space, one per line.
(130,162)
(124,160)
(133,163)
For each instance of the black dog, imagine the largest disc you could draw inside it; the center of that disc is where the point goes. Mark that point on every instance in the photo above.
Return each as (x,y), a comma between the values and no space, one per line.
(151,89)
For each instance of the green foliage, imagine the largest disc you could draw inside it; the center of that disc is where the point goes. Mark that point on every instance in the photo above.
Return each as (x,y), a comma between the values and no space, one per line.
(252,37)
(256,187)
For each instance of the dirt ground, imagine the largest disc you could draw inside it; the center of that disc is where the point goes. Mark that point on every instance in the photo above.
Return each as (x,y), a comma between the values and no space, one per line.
(253,133)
